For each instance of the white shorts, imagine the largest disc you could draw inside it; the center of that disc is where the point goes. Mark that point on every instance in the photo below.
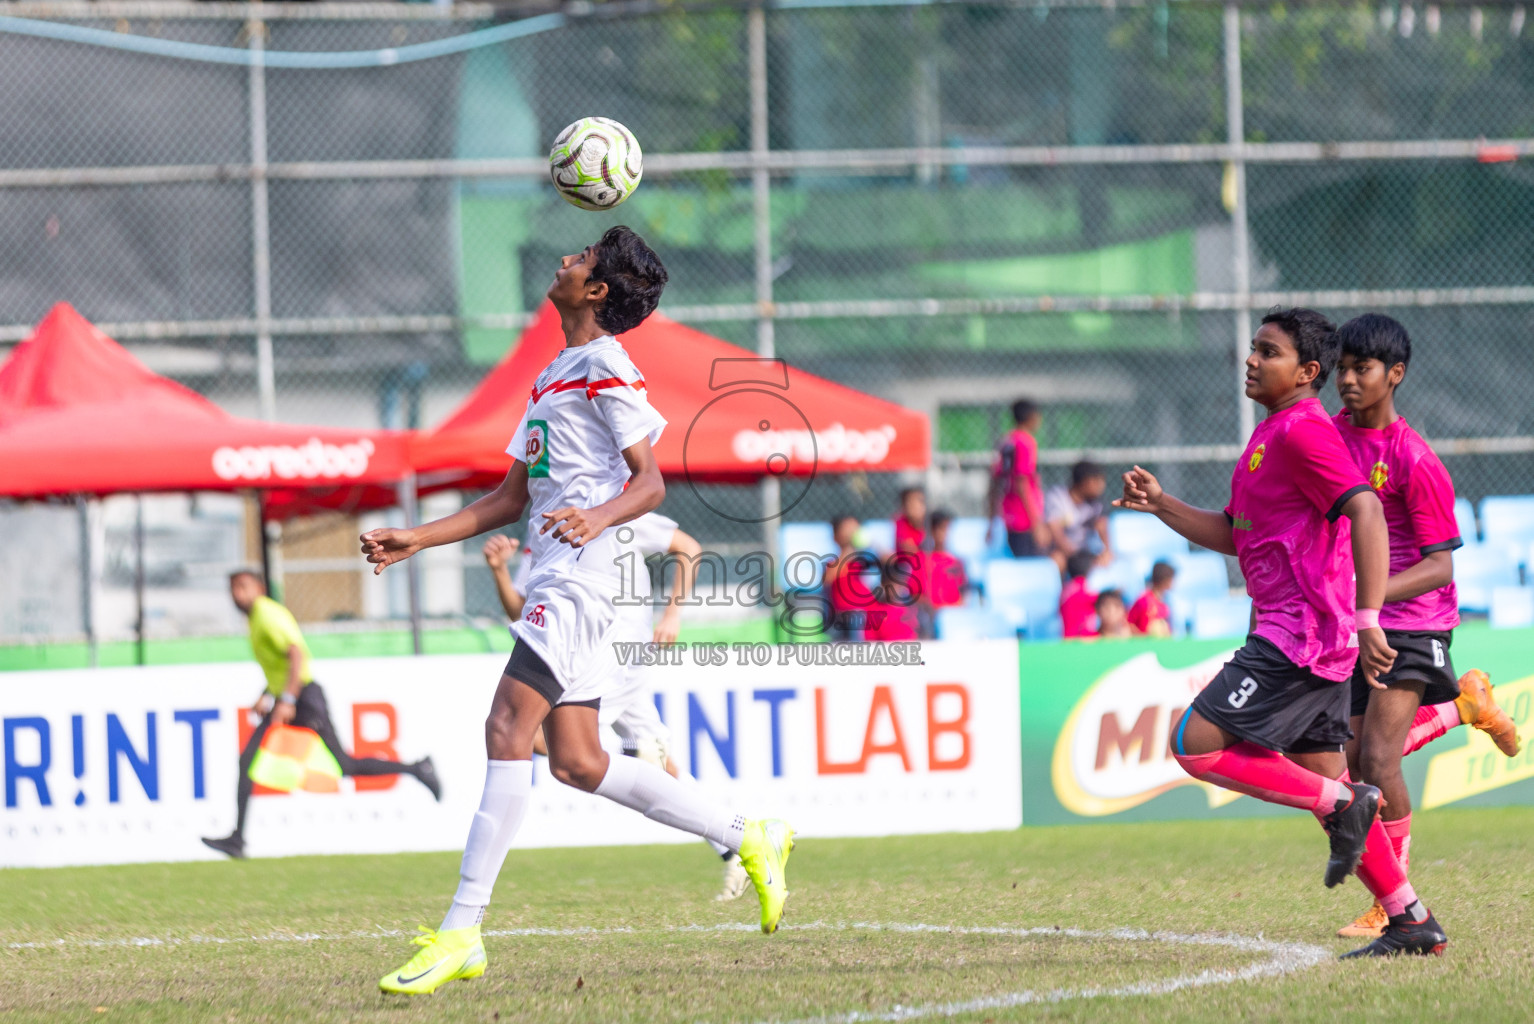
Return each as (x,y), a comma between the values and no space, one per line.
(570,621)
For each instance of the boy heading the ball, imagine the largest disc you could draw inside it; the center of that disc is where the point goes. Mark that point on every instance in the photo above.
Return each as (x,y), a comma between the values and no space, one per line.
(1419,699)
(582,465)
(1301,520)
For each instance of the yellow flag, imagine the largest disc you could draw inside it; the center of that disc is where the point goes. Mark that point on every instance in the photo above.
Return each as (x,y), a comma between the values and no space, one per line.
(292,758)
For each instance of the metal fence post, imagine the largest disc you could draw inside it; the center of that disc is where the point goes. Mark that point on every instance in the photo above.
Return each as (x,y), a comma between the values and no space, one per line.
(260,234)
(87,579)
(1241,255)
(761,211)
(408,497)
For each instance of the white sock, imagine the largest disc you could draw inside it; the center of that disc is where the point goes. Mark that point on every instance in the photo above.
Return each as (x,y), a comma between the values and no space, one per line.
(691,782)
(647,789)
(501,809)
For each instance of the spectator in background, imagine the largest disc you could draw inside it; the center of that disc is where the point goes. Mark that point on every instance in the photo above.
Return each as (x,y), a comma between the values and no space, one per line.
(1150,614)
(1074,514)
(945,577)
(1112,621)
(910,524)
(848,593)
(893,615)
(1015,493)
(1078,605)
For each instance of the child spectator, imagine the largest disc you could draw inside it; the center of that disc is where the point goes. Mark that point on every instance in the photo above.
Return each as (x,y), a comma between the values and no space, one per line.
(942,577)
(1074,515)
(1112,621)
(1015,493)
(893,616)
(945,576)
(910,531)
(1078,605)
(848,593)
(1150,614)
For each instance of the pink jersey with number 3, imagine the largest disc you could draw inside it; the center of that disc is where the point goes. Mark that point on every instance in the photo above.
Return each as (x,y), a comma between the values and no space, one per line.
(1286,498)
(1418,496)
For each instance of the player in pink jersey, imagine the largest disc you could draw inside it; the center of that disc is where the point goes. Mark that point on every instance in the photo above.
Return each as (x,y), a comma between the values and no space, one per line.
(1301,519)
(1419,698)
(1015,493)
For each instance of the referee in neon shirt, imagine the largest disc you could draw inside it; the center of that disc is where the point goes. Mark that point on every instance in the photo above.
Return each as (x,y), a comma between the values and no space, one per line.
(292,697)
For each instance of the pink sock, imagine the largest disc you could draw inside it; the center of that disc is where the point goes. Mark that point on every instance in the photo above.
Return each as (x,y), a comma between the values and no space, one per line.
(1383,875)
(1431,722)
(1379,869)
(1257,771)
(1399,832)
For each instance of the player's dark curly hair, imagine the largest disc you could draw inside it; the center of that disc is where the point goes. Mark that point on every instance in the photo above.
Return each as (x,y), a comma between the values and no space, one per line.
(634,276)
(1375,336)
(1313,335)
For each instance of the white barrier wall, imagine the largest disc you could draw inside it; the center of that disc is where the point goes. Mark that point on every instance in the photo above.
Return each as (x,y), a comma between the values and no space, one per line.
(119,765)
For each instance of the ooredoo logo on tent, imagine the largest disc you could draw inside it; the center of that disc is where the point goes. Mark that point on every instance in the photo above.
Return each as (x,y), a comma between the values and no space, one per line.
(834,444)
(311,461)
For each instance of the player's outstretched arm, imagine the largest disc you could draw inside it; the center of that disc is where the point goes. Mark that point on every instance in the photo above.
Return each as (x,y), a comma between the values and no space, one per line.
(644,493)
(1371,564)
(501,507)
(688,550)
(1208,529)
(498,551)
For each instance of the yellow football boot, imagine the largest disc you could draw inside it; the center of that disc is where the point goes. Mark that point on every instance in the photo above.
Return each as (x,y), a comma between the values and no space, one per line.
(764,854)
(1478,709)
(443,957)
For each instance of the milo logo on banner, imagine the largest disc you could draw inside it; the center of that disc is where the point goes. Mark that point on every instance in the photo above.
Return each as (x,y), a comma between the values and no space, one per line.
(1114,751)
(537,448)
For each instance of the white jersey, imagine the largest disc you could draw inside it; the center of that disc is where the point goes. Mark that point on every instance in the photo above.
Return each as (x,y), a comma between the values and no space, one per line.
(587,406)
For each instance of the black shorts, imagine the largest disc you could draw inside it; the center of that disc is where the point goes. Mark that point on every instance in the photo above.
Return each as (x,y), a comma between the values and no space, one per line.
(1022,544)
(1421,656)
(1266,699)
(527,666)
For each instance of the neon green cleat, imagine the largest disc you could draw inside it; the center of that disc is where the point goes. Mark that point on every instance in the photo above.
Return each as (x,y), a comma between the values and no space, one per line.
(764,854)
(444,957)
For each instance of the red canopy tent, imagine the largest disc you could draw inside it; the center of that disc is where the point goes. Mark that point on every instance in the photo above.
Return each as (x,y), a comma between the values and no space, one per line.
(80,415)
(732,417)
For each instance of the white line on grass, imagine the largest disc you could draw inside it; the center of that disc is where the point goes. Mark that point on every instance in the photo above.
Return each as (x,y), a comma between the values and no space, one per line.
(1283,957)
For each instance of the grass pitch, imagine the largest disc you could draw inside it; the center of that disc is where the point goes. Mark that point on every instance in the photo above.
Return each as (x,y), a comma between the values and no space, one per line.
(634,935)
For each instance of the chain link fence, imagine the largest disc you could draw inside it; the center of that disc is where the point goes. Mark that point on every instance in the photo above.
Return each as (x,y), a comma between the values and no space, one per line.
(336,213)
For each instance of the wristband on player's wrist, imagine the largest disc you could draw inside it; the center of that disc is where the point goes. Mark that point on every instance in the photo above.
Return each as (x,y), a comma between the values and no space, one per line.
(1368,618)
(288,699)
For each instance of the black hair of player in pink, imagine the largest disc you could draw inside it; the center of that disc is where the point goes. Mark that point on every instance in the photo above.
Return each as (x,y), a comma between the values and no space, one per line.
(1314,338)
(634,276)
(1375,336)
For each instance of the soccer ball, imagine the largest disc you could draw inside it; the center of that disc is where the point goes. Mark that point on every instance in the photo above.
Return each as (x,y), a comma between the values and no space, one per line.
(596,163)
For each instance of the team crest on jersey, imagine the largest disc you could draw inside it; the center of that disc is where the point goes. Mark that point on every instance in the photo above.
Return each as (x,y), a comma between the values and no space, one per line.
(1378,474)
(537,448)
(1256,459)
